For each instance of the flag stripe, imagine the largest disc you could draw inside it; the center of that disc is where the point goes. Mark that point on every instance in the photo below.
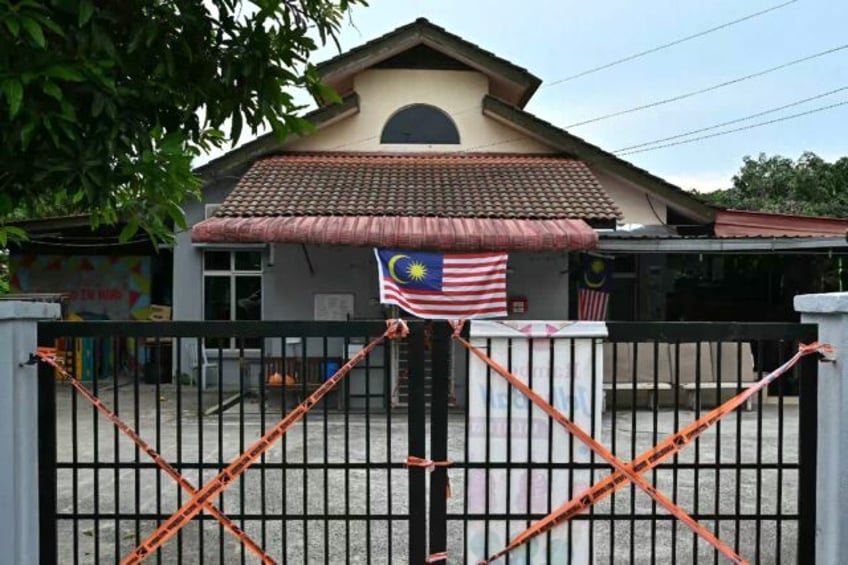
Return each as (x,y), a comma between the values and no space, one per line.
(474,279)
(441,302)
(463,311)
(468,273)
(478,260)
(441,299)
(452,290)
(592,304)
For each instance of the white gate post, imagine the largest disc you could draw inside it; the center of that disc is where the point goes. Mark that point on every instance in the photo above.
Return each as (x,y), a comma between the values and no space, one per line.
(830,313)
(19,430)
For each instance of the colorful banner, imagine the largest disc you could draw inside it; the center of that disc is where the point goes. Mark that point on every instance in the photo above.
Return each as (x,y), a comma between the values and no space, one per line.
(98,287)
(526,430)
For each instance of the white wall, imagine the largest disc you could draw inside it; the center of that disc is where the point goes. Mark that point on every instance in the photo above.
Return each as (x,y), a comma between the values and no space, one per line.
(631,199)
(290,287)
(382,92)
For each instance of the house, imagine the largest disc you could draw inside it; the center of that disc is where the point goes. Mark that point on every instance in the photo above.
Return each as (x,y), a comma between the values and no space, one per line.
(431,148)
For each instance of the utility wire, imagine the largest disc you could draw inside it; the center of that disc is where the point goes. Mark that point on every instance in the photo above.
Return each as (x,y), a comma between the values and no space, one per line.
(607,65)
(709,88)
(735,130)
(667,45)
(731,122)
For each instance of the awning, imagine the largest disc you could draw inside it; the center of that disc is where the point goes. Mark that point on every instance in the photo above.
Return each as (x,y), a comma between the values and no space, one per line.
(406,232)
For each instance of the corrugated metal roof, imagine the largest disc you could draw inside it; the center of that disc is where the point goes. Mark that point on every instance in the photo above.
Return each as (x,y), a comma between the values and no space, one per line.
(739,223)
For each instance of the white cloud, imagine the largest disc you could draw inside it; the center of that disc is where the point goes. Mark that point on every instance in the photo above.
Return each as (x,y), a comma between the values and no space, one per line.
(702,182)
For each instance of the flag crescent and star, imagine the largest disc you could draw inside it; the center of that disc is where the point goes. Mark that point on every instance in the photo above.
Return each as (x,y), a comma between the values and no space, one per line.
(595,276)
(393,264)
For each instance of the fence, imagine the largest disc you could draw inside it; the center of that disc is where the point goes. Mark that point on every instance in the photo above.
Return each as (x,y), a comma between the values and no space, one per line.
(337,489)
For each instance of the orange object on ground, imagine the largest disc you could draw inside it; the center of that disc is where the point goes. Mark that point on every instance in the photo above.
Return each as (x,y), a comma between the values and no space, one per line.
(212,489)
(275,380)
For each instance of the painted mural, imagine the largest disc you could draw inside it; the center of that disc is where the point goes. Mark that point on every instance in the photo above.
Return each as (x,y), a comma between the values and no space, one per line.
(99,287)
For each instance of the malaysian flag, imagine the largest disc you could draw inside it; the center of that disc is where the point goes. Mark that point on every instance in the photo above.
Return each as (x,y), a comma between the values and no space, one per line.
(441,286)
(594,288)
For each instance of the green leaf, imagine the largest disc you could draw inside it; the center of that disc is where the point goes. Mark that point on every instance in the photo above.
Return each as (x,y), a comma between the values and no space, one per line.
(64,72)
(26,134)
(51,25)
(86,10)
(52,90)
(97,105)
(33,28)
(14,91)
(6,204)
(129,230)
(16,232)
(13,26)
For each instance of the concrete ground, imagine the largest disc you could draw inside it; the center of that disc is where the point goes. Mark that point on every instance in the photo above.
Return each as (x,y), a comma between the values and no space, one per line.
(358,492)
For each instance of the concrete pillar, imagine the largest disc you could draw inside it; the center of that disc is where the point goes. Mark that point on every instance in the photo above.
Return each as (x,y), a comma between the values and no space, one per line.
(830,312)
(19,430)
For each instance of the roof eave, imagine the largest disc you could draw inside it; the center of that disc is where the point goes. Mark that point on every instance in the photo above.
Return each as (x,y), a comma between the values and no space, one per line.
(268,144)
(423,32)
(577,147)
(722,244)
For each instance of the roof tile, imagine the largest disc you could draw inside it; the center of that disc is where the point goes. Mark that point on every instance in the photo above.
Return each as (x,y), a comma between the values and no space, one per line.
(456,185)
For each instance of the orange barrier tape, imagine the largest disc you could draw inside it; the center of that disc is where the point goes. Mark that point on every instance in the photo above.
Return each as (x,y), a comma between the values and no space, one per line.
(169,528)
(430,465)
(436,557)
(642,464)
(48,355)
(605,454)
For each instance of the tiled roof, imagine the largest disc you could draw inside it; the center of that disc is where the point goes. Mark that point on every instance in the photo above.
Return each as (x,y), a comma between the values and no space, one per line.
(420,185)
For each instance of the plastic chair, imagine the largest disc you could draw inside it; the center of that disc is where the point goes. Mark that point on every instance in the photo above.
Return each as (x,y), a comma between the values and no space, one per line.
(203,365)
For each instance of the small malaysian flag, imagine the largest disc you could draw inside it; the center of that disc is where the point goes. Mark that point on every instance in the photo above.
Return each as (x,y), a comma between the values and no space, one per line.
(440,286)
(594,289)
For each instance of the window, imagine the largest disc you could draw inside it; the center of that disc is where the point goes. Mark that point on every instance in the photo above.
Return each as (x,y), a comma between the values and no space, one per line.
(420,123)
(232,290)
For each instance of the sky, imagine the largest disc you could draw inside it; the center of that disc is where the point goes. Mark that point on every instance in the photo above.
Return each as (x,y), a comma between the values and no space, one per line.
(555,39)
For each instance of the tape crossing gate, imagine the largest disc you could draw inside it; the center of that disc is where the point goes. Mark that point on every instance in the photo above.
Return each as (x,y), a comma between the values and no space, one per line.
(532,432)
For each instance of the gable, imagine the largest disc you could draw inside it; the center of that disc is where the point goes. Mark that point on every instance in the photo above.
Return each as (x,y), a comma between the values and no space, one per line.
(422,45)
(457,93)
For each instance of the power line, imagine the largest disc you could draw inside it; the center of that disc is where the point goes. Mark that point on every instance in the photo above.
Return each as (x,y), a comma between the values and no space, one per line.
(735,130)
(608,65)
(667,45)
(709,88)
(743,119)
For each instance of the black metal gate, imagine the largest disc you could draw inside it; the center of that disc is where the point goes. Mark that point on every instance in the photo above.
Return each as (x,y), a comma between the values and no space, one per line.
(337,489)
(750,479)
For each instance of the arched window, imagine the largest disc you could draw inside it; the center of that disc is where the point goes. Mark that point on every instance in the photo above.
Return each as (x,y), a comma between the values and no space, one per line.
(420,123)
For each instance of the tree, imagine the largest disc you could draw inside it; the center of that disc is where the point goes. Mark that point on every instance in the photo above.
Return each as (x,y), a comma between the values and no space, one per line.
(808,186)
(104,103)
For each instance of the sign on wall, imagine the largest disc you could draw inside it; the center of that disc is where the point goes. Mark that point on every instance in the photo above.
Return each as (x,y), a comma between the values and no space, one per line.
(516,431)
(332,307)
(99,287)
